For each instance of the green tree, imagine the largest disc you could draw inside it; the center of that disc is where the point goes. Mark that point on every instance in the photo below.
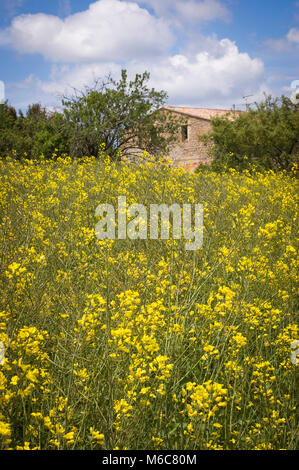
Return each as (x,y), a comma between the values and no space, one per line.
(14,140)
(122,115)
(8,118)
(38,132)
(266,136)
(52,137)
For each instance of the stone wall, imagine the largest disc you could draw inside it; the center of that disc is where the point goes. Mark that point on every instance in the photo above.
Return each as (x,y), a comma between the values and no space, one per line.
(190,152)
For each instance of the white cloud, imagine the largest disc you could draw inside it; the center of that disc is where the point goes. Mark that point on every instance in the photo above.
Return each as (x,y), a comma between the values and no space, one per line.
(190,10)
(65,79)
(293,35)
(210,78)
(285,44)
(108,30)
(216,78)
(114,34)
(206,10)
(278,45)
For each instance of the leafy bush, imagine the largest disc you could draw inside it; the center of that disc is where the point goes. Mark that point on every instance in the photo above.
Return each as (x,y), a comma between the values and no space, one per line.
(267,136)
(123,115)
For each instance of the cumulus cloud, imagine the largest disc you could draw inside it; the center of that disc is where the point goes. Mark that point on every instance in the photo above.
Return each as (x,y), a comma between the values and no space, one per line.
(224,75)
(115,34)
(219,77)
(108,30)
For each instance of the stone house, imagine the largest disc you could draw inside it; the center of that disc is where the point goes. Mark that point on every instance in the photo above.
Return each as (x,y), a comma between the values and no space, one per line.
(187,151)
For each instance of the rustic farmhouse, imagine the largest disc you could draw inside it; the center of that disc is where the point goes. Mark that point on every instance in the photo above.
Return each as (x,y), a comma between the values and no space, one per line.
(187,151)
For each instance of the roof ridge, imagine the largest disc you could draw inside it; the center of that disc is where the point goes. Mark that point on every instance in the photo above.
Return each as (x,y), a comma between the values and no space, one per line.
(197,107)
(202,113)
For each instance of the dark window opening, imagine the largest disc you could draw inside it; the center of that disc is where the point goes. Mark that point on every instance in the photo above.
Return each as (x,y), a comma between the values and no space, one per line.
(184,133)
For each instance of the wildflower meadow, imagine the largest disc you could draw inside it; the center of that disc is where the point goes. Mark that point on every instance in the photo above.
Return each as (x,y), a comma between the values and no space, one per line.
(140,343)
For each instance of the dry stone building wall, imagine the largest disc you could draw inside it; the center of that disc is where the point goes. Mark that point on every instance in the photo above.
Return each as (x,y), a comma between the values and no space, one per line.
(187,151)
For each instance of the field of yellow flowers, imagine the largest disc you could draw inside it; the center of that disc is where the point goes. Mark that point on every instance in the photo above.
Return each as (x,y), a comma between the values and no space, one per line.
(140,344)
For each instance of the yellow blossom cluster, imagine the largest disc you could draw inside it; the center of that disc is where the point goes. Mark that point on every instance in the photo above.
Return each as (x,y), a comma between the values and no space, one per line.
(140,344)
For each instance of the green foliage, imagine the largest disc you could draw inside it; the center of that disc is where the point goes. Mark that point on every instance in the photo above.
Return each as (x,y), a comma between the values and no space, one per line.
(121,115)
(8,116)
(267,137)
(38,133)
(52,137)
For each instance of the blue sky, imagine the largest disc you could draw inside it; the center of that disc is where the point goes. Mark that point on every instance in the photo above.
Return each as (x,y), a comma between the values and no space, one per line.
(206,53)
